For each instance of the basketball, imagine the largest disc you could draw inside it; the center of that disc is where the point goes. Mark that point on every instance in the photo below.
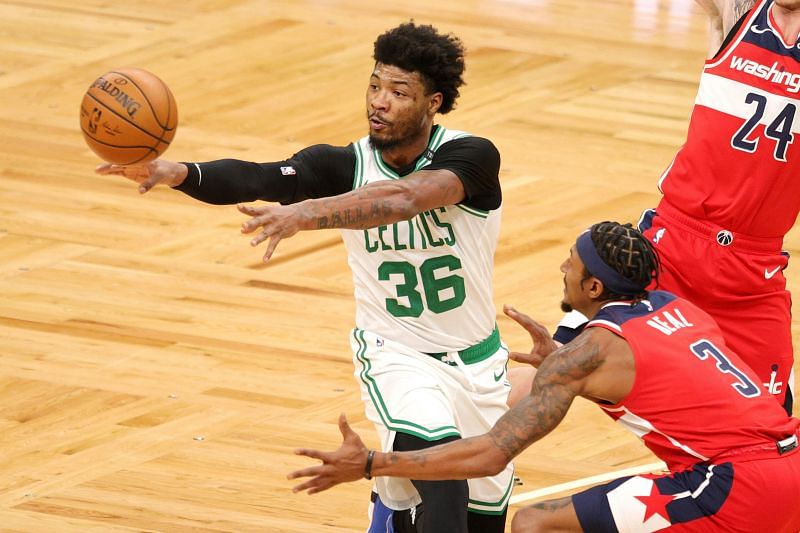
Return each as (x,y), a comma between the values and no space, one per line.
(128,116)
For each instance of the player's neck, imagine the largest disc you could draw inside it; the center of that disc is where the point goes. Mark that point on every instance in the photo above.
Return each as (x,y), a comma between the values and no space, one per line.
(590,309)
(788,23)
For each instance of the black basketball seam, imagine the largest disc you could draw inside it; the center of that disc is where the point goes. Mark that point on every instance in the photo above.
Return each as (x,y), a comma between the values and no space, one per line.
(144,94)
(169,111)
(137,160)
(169,107)
(98,141)
(160,139)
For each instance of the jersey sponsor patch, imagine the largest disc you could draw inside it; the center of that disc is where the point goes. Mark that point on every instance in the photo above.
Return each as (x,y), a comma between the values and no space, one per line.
(288,171)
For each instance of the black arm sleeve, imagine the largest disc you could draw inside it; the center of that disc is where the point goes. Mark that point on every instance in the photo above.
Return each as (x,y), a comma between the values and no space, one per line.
(314,172)
(476,162)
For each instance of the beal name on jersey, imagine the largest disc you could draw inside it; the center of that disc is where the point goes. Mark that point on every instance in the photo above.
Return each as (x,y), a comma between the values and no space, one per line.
(669,322)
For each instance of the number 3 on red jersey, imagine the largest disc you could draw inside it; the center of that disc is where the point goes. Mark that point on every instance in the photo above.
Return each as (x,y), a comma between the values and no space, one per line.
(705,348)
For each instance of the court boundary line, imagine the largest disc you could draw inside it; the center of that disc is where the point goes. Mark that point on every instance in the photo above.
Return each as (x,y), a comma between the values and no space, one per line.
(583,482)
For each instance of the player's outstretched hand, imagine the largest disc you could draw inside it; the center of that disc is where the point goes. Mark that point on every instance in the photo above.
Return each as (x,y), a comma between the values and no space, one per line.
(345,464)
(276,222)
(149,174)
(543,343)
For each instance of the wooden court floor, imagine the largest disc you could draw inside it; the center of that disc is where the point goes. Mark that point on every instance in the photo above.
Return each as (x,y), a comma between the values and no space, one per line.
(154,374)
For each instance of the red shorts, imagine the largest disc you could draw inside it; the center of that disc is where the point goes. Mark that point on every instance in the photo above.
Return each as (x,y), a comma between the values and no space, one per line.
(747,496)
(736,279)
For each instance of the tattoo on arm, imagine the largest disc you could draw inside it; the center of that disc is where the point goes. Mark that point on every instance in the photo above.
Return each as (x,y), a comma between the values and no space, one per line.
(737,10)
(553,505)
(386,202)
(353,211)
(557,382)
(358,217)
(740,7)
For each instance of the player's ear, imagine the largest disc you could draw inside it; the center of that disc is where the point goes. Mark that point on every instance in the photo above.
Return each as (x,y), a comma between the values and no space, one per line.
(595,287)
(434,103)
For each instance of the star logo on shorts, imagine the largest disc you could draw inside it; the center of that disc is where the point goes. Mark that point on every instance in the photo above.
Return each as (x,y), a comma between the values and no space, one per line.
(655,503)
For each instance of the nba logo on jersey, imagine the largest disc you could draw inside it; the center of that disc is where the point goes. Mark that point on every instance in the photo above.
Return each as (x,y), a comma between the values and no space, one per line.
(725,238)
(660,233)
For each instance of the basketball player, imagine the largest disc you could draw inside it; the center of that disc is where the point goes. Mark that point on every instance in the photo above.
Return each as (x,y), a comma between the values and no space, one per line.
(657,364)
(419,206)
(732,192)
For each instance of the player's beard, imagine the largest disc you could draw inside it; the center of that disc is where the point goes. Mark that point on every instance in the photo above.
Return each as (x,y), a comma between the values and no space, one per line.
(566,308)
(408,130)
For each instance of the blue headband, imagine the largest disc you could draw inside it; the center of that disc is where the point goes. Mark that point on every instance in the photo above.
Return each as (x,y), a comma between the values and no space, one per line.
(612,280)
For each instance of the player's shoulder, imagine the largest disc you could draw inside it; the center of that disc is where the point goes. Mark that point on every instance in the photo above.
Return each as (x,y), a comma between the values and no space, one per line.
(467,139)
(470,146)
(616,314)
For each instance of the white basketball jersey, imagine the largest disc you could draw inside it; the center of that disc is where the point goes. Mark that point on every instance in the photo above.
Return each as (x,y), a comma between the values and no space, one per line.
(425,282)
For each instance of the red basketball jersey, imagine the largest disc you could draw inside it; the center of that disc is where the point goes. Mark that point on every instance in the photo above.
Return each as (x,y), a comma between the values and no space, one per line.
(740,166)
(693,400)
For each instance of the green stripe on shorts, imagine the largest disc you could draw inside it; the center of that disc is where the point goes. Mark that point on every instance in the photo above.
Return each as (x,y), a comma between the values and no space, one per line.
(493,508)
(394,424)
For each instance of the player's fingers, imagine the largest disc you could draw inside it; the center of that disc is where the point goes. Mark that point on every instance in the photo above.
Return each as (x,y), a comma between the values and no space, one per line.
(517,316)
(518,356)
(273,243)
(260,237)
(321,486)
(314,485)
(520,318)
(526,358)
(313,454)
(306,485)
(306,472)
(249,226)
(344,427)
(259,219)
(251,210)
(105,168)
(148,184)
(537,331)
(116,170)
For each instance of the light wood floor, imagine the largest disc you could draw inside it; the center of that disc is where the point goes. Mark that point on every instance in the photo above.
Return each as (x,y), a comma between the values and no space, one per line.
(154,374)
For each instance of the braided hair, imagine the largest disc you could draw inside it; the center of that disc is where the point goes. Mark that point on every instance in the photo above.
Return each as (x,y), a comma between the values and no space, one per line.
(438,58)
(627,251)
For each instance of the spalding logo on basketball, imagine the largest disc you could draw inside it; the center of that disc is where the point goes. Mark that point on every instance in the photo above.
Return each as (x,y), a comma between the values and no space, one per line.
(128,116)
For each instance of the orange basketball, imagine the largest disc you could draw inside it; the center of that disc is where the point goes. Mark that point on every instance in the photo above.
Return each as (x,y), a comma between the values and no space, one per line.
(128,116)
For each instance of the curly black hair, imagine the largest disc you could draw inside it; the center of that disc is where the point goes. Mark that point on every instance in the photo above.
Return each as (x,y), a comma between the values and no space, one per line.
(421,48)
(626,250)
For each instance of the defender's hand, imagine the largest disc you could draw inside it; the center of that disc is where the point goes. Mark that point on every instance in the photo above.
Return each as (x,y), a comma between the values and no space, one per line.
(344,465)
(149,174)
(543,343)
